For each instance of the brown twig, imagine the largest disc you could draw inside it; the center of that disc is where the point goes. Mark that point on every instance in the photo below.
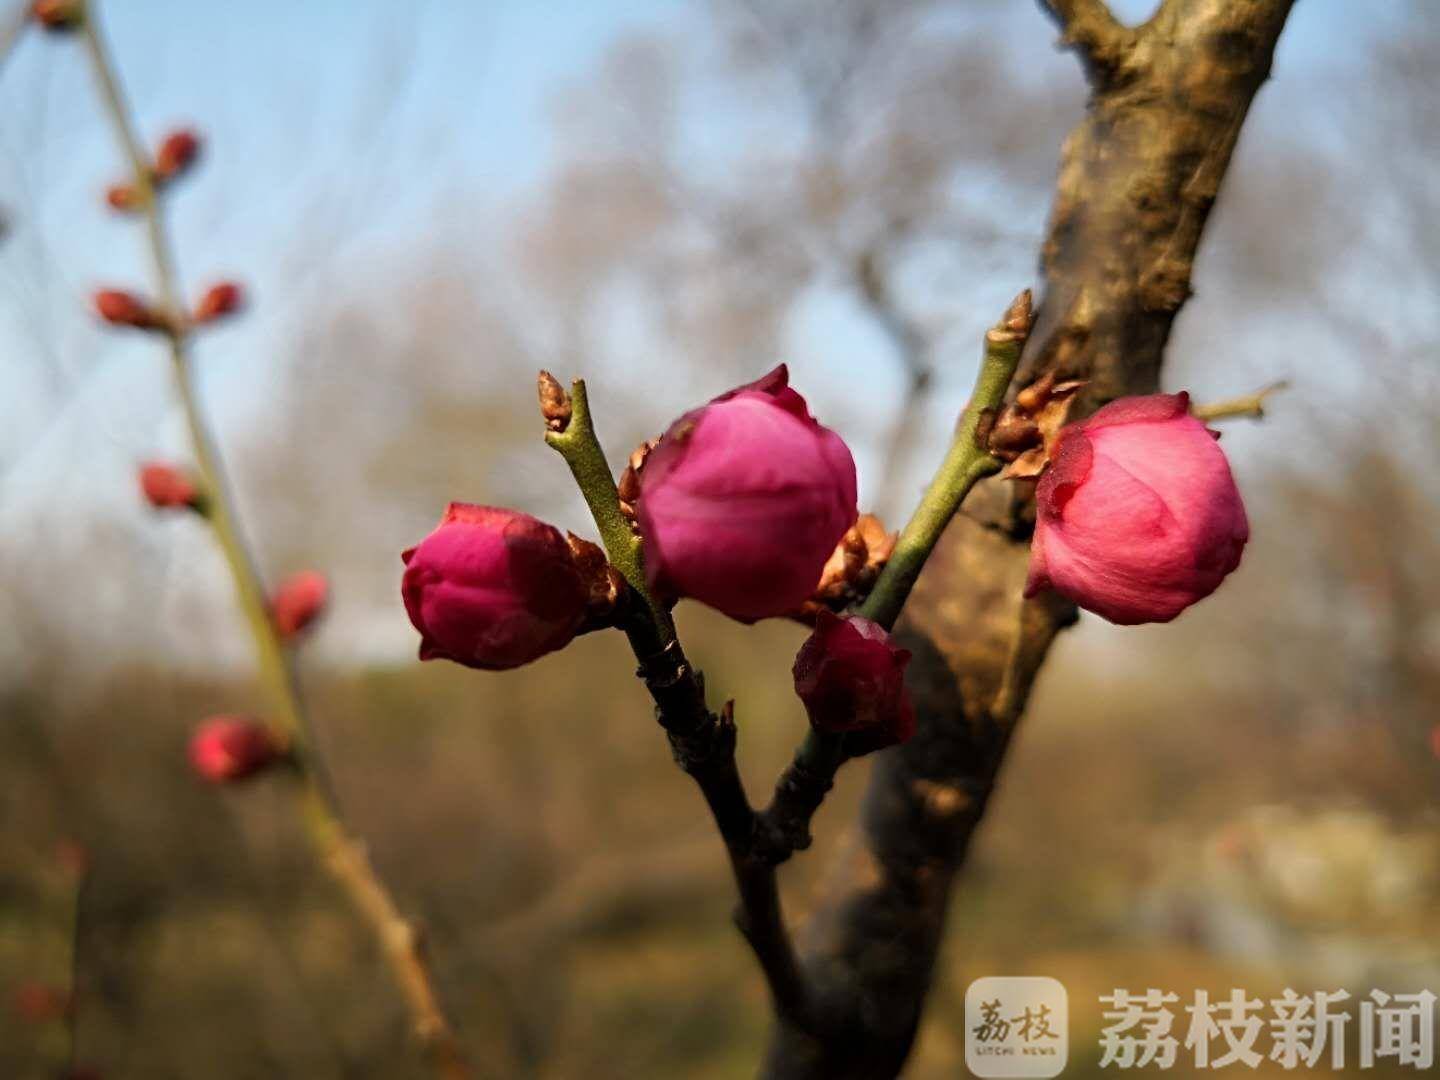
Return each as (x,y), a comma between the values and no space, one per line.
(1249,406)
(342,854)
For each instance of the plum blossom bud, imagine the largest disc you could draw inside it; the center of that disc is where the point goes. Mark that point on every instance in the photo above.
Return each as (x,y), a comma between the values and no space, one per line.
(852,679)
(1138,515)
(219,300)
(743,501)
(123,197)
(492,588)
(298,602)
(58,15)
(167,487)
(555,405)
(176,154)
(120,308)
(229,748)
(37,1002)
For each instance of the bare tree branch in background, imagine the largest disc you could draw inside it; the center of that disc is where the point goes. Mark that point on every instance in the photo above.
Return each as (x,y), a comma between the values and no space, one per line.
(1137,181)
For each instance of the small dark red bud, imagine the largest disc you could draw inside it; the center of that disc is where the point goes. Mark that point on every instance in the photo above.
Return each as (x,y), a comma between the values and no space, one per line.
(298,602)
(73,857)
(37,1002)
(176,154)
(58,15)
(851,678)
(120,308)
(224,298)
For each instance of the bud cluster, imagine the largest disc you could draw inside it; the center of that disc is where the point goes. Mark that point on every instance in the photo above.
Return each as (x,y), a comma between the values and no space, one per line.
(175,155)
(748,505)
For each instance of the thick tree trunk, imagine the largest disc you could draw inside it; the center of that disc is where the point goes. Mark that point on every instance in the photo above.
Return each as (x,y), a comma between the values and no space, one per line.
(1137,179)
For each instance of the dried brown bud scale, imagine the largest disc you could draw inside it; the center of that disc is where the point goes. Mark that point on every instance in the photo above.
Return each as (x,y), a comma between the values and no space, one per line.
(555,404)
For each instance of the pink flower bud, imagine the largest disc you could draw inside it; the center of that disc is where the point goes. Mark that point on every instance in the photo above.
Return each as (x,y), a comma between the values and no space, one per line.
(219,300)
(166,487)
(1139,516)
(228,748)
(492,588)
(177,152)
(743,501)
(298,602)
(120,308)
(852,679)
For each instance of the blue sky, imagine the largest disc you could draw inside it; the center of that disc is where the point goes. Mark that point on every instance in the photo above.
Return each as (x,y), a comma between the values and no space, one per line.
(352,122)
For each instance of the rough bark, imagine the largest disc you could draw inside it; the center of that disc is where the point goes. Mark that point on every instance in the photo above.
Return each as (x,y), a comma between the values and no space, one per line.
(1137,179)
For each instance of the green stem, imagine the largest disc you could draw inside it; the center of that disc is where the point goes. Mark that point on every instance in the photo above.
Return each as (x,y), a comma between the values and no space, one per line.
(1249,405)
(966,463)
(582,451)
(319,807)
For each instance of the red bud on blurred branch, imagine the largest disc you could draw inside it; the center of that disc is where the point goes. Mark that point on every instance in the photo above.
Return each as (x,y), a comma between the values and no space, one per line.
(222,299)
(120,308)
(176,154)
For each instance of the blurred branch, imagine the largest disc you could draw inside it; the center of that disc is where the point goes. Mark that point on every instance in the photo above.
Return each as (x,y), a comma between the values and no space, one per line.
(78,860)
(13,21)
(1248,405)
(342,853)
(1138,176)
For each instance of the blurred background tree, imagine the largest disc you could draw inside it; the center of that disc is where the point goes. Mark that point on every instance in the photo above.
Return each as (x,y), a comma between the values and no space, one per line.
(431,202)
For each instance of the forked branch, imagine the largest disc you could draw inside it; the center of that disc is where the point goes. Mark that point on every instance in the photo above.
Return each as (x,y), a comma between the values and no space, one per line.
(1089,27)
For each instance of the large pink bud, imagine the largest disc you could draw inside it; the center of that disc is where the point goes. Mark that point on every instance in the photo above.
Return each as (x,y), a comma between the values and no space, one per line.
(1139,516)
(229,748)
(743,501)
(852,679)
(492,588)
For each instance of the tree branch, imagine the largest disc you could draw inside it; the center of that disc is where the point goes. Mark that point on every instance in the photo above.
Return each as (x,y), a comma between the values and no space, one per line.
(341,853)
(1137,179)
(1088,27)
